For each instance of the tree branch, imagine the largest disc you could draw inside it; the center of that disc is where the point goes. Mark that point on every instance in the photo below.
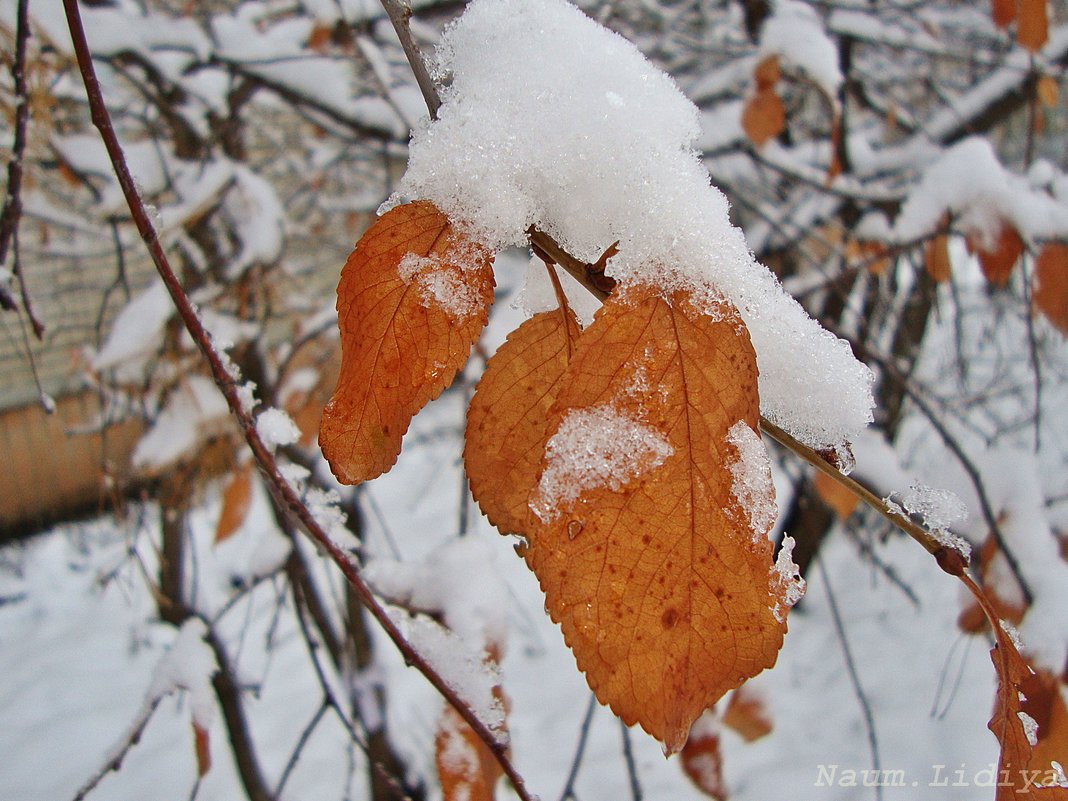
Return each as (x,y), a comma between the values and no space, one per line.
(285,494)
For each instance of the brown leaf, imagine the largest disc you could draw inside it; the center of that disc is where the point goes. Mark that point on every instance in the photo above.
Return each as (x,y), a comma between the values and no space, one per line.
(841,500)
(659,575)
(998,262)
(746,714)
(767,72)
(1018,692)
(466,767)
(1044,703)
(763,117)
(413,297)
(701,758)
(1003,592)
(508,419)
(1003,12)
(1049,294)
(936,258)
(1048,91)
(236,500)
(1032,26)
(203,749)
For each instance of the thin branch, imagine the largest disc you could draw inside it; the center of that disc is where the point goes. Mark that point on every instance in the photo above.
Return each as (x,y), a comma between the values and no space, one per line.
(628,759)
(568,793)
(285,494)
(399,15)
(854,677)
(117,755)
(298,749)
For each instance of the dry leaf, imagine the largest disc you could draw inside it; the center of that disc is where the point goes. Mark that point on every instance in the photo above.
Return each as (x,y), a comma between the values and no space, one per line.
(763,117)
(1003,12)
(1002,590)
(1050,292)
(1045,704)
(997,263)
(701,758)
(236,500)
(841,501)
(466,767)
(507,422)
(203,749)
(1019,695)
(1048,91)
(661,579)
(413,297)
(1032,25)
(767,72)
(746,714)
(936,258)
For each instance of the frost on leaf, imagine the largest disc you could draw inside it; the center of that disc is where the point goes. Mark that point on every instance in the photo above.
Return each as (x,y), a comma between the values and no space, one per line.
(657,580)
(404,333)
(508,419)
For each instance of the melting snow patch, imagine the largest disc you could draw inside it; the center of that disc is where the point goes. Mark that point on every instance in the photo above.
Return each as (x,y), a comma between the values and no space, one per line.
(752,485)
(594,448)
(786,579)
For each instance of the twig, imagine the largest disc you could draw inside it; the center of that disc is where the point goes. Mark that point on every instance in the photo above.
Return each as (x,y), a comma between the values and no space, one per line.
(628,759)
(285,494)
(568,793)
(129,740)
(854,678)
(12,210)
(298,749)
(399,15)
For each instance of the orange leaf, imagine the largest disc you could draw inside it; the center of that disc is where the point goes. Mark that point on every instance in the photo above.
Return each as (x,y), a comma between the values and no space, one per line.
(746,714)
(702,760)
(767,72)
(1048,91)
(1018,698)
(1045,704)
(763,117)
(1050,292)
(840,499)
(237,497)
(997,264)
(508,419)
(658,571)
(413,297)
(1032,27)
(936,258)
(203,749)
(466,767)
(1003,12)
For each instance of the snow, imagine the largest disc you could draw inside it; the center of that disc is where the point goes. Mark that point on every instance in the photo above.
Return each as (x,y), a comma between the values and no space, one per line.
(136,334)
(275,428)
(442,288)
(786,579)
(751,479)
(939,509)
(519,142)
(794,32)
(188,665)
(968,182)
(593,448)
(194,411)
